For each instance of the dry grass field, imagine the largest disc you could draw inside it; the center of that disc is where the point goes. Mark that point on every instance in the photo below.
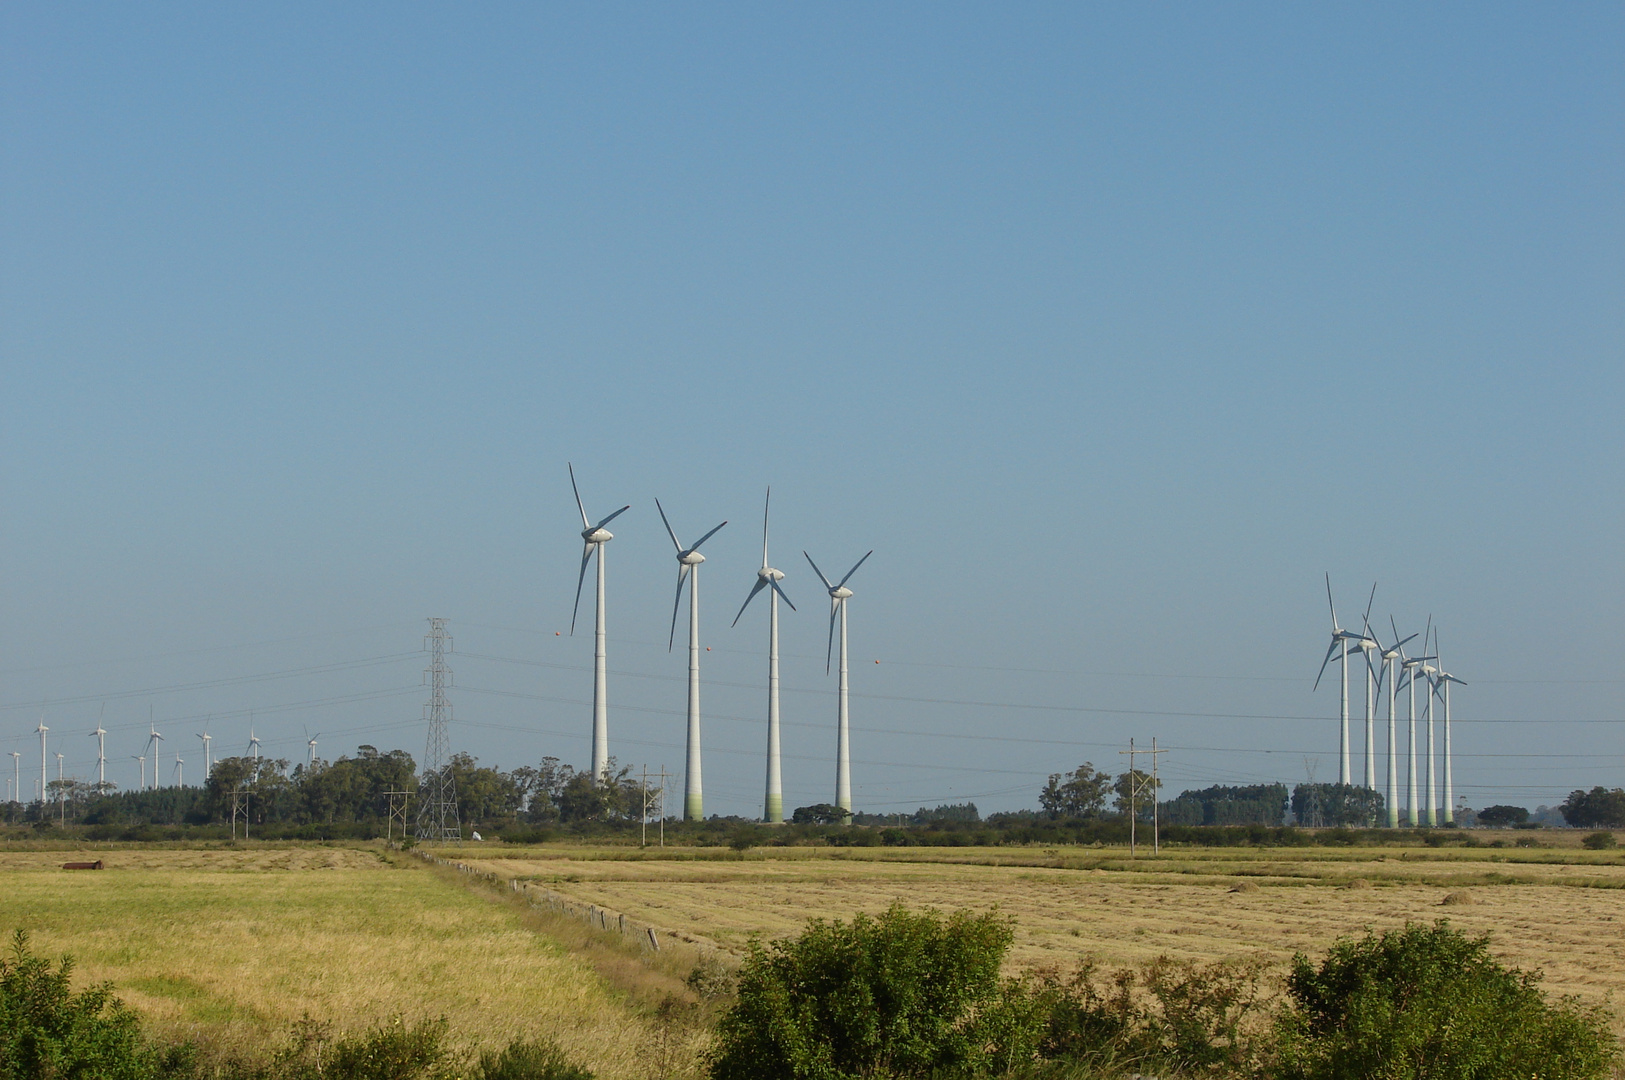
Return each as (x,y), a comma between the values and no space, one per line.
(231,946)
(1558,909)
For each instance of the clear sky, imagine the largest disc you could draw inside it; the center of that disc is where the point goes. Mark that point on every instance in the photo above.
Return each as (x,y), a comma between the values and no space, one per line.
(1109,328)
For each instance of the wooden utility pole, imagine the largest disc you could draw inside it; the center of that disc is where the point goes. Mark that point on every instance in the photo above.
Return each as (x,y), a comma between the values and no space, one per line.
(1137,784)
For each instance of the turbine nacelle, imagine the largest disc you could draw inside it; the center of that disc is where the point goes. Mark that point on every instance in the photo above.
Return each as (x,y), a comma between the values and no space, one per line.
(840,593)
(768,574)
(597,534)
(690,558)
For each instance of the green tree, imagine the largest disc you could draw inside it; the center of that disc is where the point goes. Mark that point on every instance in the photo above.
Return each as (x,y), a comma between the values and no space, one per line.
(1598,808)
(1078,794)
(1503,815)
(901,994)
(820,814)
(1430,1003)
(1138,787)
(1335,805)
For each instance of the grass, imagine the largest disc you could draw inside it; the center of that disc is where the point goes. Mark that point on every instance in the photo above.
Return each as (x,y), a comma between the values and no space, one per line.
(231,946)
(1545,908)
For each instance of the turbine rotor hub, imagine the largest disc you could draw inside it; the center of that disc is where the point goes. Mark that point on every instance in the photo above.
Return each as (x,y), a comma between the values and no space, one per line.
(768,573)
(690,557)
(596,535)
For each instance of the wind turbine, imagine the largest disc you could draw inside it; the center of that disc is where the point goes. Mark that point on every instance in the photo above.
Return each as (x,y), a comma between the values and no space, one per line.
(208,764)
(16,776)
(839,594)
(42,773)
(310,741)
(1428,673)
(58,776)
(1407,666)
(768,578)
(1342,640)
(253,743)
(688,570)
(1388,655)
(594,537)
(180,775)
(1444,680)
(100,735)
(142,758)
(153,739)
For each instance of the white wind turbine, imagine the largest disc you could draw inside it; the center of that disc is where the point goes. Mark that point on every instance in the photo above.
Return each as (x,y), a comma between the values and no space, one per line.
(142,758)
(768,578)
(1407,667)
(1385,674)
(1442,686)
(180,774)
(1365,645)
(208,763)
(594,537)
(688,570)
(100,735)
(153,739)
(839,594)
(1428,673)
(1342,642)
(44,777)
(16,776)
(253,743)
(311,744)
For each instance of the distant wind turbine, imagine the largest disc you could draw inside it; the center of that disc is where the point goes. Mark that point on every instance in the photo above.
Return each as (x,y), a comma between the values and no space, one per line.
(1408,666)
(208,763)
(1386,674)
(1342,641)
(768,578)
(253,743)
(153,738)
(43,775)
(688,570)
(594,537)
(839,594)
(100,735)
(1443,684)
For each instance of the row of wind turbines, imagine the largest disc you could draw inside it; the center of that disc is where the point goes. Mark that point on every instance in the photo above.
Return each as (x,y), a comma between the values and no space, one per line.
(596,536)
(1391,666)
(149,751)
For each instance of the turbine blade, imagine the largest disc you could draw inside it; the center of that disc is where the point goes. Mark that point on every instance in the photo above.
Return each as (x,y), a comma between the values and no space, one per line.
(766,503)
(855,566)
(1329,654)
(615,515)
(1408,639)
(1370,600)
(1329,605)
(829,649)
(760,584)
(706,537)
(577,490)
(586,554)
(782,595)
(674,541)
(677,603)
(822,578)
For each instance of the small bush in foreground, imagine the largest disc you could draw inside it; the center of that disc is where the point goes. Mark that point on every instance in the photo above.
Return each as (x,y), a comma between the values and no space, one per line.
(47,1030)
(530,1061)
(901,994)
(1430,1003)
(1600,841)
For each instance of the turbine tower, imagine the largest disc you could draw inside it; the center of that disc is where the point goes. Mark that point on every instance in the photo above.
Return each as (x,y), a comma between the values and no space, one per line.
(1386,674)
(100,735)
(1407,667)
(1366,644)
(1428,673)
(1443,684)
(594,537)
(142,758)
(208,763)
(688,570)
(1342,640)
(16,776)
(153,738)
(768,578)
(839,594)
(253,744)
(43,775)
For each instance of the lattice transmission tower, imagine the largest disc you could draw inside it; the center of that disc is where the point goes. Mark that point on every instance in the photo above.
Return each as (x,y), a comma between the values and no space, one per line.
(437,796)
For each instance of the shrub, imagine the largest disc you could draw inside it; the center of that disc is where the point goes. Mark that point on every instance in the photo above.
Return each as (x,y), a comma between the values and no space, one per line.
(530,1061)
(1430,1002)
(47,1030)
(1600,841)
(901,994)
(394,1051)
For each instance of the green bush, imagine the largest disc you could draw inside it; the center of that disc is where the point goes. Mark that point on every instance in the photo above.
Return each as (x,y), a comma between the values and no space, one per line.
(393,1051)
(1600,841)
(523,1060)
(47,1030)
(1429,1003)
(902,994)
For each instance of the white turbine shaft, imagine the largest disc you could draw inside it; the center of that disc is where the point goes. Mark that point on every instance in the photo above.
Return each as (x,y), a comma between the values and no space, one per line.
(600,685)
(1413,800)
(16,776)
(101,756)
(773,807)
(1344,772)
(1433,787)
(693,790)
(1393,747)
(1449,783)
(142,758)
(43,775)
(1370,722)
(843,749)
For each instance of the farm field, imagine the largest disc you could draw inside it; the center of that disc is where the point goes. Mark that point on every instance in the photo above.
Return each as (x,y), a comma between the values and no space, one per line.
(1561,910)
(230,947)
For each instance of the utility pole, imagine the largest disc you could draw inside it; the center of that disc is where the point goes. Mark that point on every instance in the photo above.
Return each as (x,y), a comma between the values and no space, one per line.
(655,801)
(62,805)
(1137,784)
(239,805)
(397,812)
(437,794)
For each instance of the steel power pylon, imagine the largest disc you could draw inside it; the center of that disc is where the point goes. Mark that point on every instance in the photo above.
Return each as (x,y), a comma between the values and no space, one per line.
(437,797)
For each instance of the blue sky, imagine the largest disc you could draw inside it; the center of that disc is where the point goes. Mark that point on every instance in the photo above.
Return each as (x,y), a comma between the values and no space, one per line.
(1110,329)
